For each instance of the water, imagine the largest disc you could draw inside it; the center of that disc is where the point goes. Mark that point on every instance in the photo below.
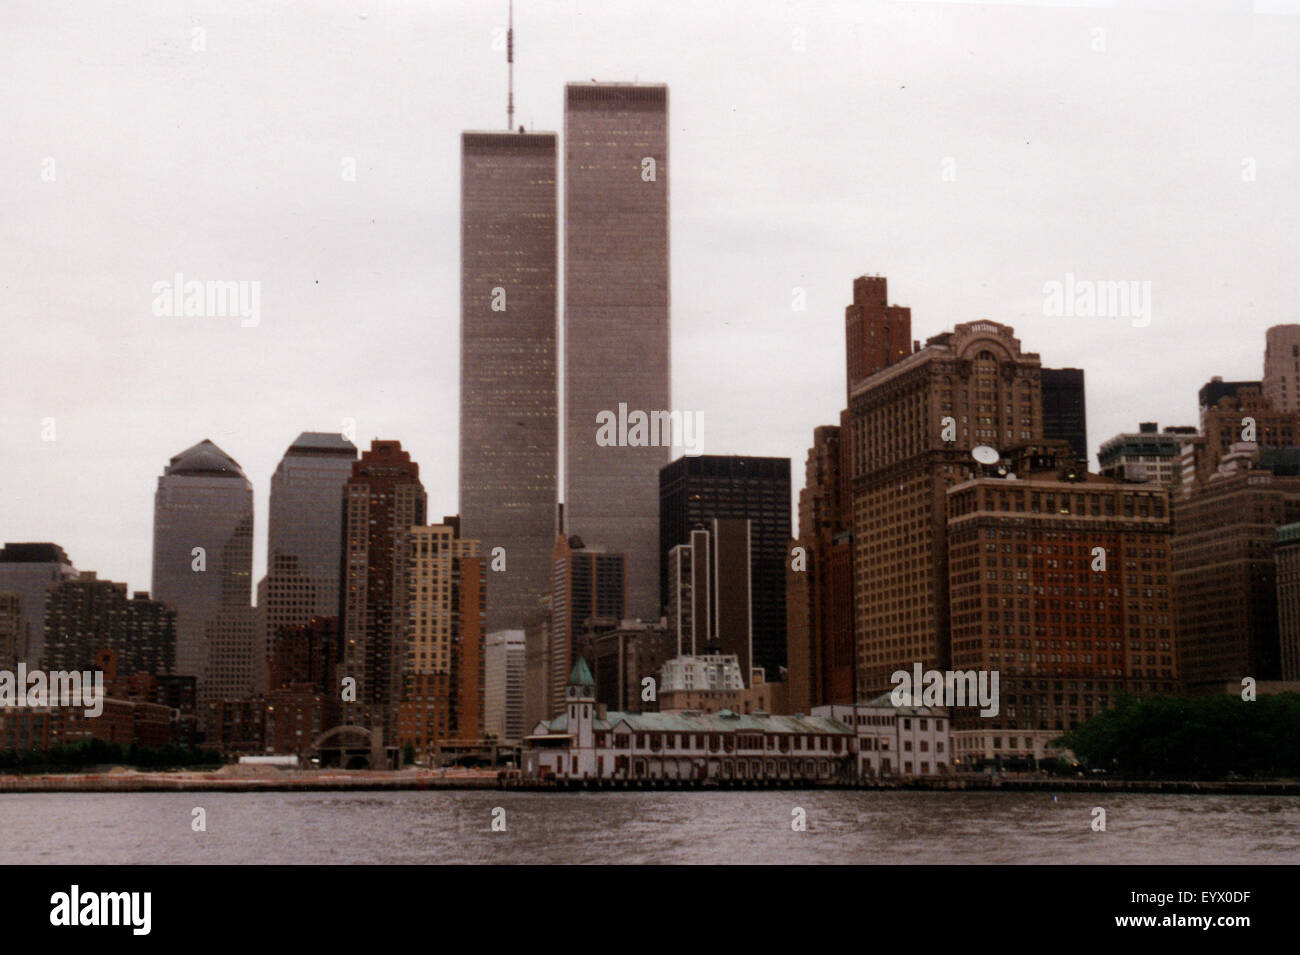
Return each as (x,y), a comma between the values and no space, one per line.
(648,827)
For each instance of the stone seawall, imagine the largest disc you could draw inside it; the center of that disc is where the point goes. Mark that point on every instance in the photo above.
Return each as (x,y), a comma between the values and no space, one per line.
(230,780)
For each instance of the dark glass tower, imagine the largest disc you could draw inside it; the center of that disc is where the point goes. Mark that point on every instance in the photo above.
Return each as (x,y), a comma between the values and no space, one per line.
(1065,416)
(693,491)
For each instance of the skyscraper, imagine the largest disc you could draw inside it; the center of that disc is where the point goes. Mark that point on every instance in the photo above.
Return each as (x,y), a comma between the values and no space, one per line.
(1225,578)
(819,610)
(383,500)
(616,318)
(693,491)
(1063,587)
(914,424)
(304,549)
(711,592)
(588,598)
(442,646)
(203,568)
(503,686)
(509,438)
(27,571)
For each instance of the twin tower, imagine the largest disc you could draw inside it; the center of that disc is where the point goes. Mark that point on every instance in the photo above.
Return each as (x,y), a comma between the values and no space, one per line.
(615,348)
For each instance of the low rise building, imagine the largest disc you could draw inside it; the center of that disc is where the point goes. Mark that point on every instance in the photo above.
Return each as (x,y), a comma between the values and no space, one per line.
(588,743)
(895,740)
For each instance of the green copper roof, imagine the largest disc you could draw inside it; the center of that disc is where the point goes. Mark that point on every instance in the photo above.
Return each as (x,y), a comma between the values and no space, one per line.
(580,675)
(693,721)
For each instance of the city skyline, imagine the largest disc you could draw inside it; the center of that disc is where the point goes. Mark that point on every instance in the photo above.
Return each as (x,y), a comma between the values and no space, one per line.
(174,381)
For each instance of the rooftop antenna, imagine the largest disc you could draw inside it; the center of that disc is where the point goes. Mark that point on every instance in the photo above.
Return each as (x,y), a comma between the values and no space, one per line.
(510,61)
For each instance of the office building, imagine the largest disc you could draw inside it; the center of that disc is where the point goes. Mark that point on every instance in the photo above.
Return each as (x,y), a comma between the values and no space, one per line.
(1286,558)
(694,491)
(760,698)
(914,425)
(537,662)
(304,551)
(1225,577)
(503,686)
(27,571)
(1244,417)
(627,664)
(87,616)
(203,567)
(307,654)
(1147,456)
(509,437)
(444,607)
(711,592)
(616,320)
(819,579)
(1064,588)
(383,500)
(587,599)
(1065,415)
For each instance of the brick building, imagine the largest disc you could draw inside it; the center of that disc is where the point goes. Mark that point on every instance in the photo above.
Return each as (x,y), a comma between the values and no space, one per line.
(1063,587)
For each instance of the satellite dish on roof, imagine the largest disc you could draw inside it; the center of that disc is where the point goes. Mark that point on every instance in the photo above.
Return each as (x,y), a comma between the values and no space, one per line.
(985,455)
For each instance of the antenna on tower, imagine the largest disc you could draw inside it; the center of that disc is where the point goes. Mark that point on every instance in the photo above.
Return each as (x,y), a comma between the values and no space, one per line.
(510,61)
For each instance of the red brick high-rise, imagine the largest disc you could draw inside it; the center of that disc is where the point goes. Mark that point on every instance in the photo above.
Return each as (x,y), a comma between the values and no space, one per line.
(877,334)
(382,500)
(820,596)
(1064,586)
(820,613)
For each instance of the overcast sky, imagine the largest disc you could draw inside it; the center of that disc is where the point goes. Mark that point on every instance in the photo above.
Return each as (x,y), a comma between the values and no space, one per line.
(808,145)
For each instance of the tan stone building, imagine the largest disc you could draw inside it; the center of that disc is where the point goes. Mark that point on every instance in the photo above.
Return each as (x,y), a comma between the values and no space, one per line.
(914,424)
(1225,587)
(442,665)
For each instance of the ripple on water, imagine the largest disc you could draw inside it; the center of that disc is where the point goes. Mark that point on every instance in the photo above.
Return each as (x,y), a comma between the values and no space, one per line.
(650,827)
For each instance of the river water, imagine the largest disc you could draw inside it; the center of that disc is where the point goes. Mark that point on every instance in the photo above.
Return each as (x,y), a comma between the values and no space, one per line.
(647,827)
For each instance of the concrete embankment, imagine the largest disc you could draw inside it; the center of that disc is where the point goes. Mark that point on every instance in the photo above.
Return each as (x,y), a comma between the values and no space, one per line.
(223,781)
(230,779)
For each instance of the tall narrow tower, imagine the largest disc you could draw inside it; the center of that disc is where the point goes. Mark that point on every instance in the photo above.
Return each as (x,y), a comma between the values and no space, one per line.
(509,432)
(383,500)
(203,568)
(509,401)
(616,334)
(305,538)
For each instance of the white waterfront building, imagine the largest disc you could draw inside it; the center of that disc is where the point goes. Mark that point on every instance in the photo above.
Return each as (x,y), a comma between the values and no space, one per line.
(896,740)
(586,743)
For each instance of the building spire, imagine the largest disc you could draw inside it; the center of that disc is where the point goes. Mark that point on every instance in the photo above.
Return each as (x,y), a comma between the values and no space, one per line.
(510,63)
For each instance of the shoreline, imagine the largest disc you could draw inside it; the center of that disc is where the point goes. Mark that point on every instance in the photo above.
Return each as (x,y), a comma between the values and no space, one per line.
(364,781)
